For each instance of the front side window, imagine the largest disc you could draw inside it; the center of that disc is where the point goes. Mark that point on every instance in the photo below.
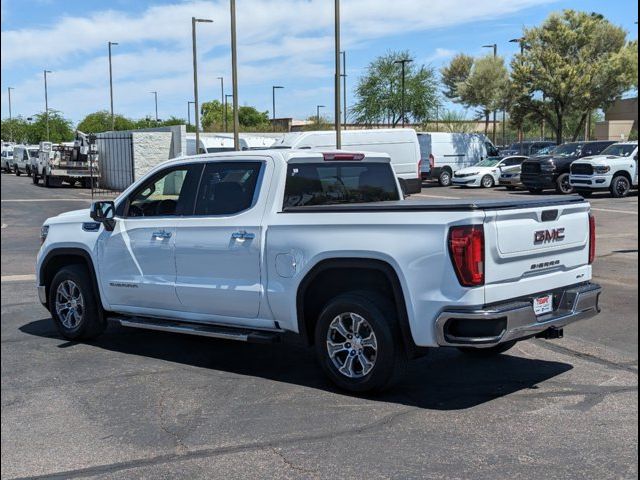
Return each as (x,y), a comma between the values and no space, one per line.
(169,193)
(227,188)
(330,184)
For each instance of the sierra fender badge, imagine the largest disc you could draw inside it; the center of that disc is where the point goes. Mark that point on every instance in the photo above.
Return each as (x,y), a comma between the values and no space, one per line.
(549,236)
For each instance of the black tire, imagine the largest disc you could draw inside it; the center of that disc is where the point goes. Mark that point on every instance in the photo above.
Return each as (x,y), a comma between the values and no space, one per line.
(488,352)
(92,321)
(487,182)
(620,186)
(16,170)
(28,171)
(535,191)
(390,359)
(444,179)
(563,186)
(35,178)
(511,189)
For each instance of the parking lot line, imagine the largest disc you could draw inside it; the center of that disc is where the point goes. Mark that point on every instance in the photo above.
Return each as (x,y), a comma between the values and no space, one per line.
(614,211)
(20,200)
(18,278)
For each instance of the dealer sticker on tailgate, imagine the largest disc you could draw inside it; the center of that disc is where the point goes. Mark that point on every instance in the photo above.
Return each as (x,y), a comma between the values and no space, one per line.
(542,305)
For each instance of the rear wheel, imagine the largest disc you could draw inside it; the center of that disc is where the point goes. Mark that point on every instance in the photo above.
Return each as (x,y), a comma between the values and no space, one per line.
(358,342)
(488,352)
(73,304)
(620,186)
(562,184)
(444,179)
(487,181)
(16,170)
(34,177)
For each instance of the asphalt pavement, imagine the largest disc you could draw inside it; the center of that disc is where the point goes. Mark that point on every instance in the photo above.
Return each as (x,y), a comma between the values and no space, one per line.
(141,404)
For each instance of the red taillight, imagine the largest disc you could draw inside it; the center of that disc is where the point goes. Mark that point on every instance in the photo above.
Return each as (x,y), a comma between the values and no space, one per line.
(592,239)
(432,161)
(466,246)
(343,157)
(420,169)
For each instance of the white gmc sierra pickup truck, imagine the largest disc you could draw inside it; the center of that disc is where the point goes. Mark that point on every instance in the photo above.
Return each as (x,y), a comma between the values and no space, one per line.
(321,247)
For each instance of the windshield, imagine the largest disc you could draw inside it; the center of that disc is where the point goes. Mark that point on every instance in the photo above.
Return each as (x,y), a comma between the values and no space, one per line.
(515,146)
(33,153)
(349,182)
(567,150)
(620,150)
(489,162)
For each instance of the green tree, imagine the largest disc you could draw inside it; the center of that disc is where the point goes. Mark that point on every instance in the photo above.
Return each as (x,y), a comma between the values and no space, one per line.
(575,62)
(322,123)
(100,121)
(15,130)
(454,74)
(249,117)
(379,93)
(60,129)
(485,87)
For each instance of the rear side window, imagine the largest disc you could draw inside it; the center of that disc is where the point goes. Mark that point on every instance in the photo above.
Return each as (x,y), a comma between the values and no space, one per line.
(227,188)
(331,184)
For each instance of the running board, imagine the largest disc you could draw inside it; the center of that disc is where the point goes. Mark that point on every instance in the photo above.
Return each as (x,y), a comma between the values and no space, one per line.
(198,329)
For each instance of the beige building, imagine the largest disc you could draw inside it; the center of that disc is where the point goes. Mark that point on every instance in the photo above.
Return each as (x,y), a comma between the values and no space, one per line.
(619,121)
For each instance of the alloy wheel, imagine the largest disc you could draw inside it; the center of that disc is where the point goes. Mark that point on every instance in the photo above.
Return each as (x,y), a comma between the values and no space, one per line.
(352,345)
(69,304)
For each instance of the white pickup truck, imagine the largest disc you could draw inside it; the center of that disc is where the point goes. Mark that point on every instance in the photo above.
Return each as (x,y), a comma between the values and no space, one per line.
(615,169)
(321,247)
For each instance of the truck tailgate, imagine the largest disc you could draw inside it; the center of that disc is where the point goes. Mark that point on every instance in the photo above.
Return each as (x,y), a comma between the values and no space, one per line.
(532,250)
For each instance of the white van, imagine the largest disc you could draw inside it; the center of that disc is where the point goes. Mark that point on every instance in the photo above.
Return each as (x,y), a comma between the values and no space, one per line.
(401,144)
(7,156)
(223,142)
(449,152)
(22,155)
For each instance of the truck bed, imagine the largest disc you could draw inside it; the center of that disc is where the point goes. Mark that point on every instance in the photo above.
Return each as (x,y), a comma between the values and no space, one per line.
(443,205)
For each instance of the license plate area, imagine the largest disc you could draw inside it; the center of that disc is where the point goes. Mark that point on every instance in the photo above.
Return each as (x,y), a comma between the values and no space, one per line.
(543,304)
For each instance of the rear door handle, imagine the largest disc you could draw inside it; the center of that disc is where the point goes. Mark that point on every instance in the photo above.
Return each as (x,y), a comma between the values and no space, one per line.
(243,235)
(161,234)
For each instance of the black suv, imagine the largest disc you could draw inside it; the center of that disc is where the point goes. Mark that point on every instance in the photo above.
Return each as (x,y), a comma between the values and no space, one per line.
(552,171)
(528,148)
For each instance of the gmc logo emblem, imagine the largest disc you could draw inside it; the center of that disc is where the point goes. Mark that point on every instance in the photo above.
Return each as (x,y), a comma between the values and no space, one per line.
(548,236)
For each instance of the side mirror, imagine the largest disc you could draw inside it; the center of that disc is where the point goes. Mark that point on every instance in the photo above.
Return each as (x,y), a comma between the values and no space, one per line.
(104,212)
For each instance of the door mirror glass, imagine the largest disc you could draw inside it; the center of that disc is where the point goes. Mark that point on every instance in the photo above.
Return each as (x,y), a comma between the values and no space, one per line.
(104,212)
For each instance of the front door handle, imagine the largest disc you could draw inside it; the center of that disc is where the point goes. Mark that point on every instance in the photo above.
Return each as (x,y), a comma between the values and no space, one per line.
(243,235)
(161,234)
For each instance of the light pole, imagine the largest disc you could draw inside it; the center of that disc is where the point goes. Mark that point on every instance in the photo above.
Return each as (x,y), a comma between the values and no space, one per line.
(234,77)
(10,123)
(337,98)
(155,95)
(189,112)
(113,121)
(46,102)
(221,90)
(344,87)
(494,46)
(318,107)
(403,63)
(273,98)
(226,112)
(520,41)
(195,20)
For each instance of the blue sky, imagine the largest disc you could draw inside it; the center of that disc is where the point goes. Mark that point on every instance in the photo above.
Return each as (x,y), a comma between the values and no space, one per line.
(281,42)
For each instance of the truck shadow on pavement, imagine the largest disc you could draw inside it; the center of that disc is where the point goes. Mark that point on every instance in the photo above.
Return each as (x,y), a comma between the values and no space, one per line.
(443,380)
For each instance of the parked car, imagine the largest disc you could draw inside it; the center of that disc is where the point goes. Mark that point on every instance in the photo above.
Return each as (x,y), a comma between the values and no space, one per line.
(273,245)
(486,173)
(528,148)
(399,143)
(7,157)
(552,171)
(22,155)
(450,152)
(615,169)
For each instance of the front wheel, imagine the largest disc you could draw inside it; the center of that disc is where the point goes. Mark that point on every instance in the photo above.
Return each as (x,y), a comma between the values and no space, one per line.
(358,342)
(73,304)
(487,352)
(562,184)
(16,170)
(620,186)
(34,177)
(487,181)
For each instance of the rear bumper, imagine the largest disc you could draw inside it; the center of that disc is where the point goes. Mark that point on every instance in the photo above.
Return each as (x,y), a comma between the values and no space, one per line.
(516,320)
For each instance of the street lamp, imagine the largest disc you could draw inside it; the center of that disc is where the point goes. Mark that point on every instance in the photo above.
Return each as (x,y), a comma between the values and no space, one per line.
(113,122)
(46,102)
(273,95)
(226,103)
(195,20)
(10,123)
(318,107)
(189,112)
(521,42)
(234,76)
(344,86)
(155,94)
(494,46)
(403,63)
(337,79)
(221,90)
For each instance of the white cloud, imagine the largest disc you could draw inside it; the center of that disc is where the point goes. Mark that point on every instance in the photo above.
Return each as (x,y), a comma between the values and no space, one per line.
(275,36)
